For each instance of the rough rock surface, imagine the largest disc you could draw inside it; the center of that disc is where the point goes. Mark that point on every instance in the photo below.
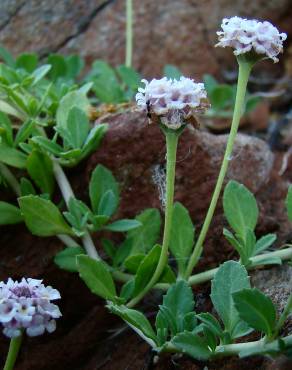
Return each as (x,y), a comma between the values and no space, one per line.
(182,32)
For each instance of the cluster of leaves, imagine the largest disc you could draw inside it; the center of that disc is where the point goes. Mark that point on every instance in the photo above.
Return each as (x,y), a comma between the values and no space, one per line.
(241,212)
(43,217)
(137,257)
(240,310)
(51,124)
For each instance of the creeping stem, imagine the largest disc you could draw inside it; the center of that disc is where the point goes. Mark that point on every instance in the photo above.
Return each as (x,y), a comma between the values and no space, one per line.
(259,346)
(171,146)
(244,71)
(205,276)
(129,33)
(13,351)
(67,193)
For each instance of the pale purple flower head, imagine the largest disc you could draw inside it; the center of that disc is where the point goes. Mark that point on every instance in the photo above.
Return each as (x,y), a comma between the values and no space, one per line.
(26,306)
(173,101)
(245,35)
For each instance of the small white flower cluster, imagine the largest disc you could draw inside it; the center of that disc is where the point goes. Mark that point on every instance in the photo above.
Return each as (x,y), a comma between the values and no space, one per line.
(173,101)
(243,35)
(26,305)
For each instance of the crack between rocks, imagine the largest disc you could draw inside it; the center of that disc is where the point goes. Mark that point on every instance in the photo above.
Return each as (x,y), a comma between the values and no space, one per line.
(12,15)
(83,27)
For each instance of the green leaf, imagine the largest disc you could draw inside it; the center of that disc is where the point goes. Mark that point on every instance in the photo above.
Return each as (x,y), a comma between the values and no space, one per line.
(256,309)
(268,260)
(230,278)
(7,57)
(210,338)
(146,269)
(106,85)
(137,321)
(70,100)
(6,127)
(210,83)
(66,259)
(27,61)
(101,182)
(77,127)
(289,203)
(40,73)
(108,247)
(40,169)
(74,64)
(251,103)
(26,187)
(93,139)
(24,131)
(171,71)
(123,225)
(10,110)
(42,217)
(108,204)
(182,235)
(145,236)
(193,345)
(265,242)
(127,290)
(12,157)
(168,276)
(177,303)
(59,66)
(221,96)
(212,323)
(98,221)
(9,214)
(97,277)
(233,241)
(132,263)
(240,207)
(250,242)
(129,76)
(47,145)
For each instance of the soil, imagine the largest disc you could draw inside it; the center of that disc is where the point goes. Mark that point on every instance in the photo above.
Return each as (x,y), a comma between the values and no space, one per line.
(90,338)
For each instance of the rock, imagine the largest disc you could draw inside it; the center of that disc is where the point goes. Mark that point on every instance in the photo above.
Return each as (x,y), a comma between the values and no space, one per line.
(44,26)
(135,152)
(181,33)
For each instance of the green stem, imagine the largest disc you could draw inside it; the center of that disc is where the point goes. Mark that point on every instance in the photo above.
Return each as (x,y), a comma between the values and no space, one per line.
(68,193)
(171,147)
(67,240)
(129,33)
(10,178)
(203,277)
(13,351)
(259,346)
(244,72)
